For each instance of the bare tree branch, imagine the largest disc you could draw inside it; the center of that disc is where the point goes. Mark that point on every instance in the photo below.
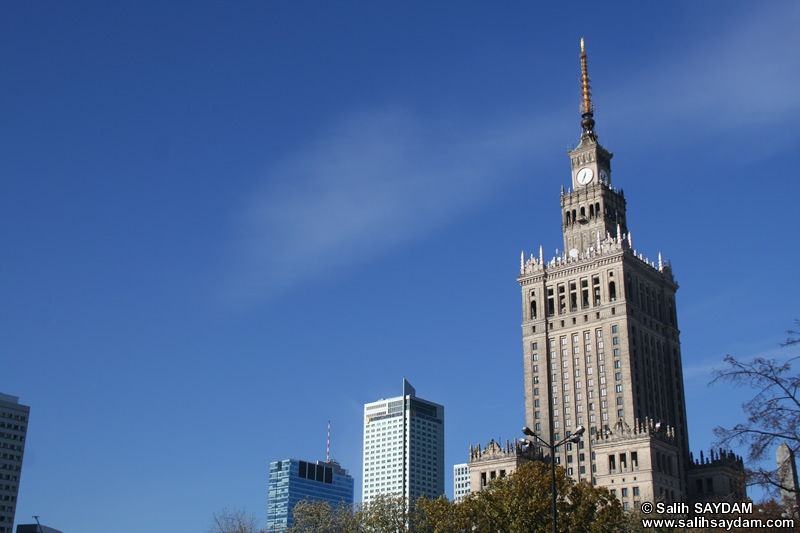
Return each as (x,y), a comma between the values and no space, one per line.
(773,414)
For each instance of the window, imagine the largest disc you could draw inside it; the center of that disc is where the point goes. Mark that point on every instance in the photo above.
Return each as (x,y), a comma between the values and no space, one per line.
(618,376)
(575,338)
(613,329)
(619,388)
(599,333)
(635,491)
(534,346)
(617,364)
(536,402)
(563,342)
(619,413)
(535,368)
(587,335)
(615,340)
(616,352)
(537,415)
(619,400)
(577,361)
(536,357)
(535,380)
(565,363)
(624,493)
(576,350)
(536,389)
(577,373)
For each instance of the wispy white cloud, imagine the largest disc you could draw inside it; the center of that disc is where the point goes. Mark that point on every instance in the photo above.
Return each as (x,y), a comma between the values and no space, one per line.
(729,80)
(374,181)
(381,178)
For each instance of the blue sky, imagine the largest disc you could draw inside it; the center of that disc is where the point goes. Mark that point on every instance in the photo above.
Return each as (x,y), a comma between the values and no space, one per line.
(226,224)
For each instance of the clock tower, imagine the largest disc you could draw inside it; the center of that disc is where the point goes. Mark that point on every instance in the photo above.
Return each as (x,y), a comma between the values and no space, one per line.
(601,341)
(591,209)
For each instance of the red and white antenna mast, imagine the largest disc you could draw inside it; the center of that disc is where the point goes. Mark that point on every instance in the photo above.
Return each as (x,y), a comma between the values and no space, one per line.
(328,456)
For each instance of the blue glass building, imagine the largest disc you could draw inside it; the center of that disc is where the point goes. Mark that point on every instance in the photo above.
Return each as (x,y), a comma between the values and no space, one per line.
(291,481)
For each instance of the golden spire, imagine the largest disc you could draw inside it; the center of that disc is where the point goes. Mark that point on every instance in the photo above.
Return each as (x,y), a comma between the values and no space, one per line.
(587,107)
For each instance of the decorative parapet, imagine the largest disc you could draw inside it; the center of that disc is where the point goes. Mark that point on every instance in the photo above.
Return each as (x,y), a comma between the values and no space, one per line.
(646,428)
(720,458)
(603,247)
(512,450)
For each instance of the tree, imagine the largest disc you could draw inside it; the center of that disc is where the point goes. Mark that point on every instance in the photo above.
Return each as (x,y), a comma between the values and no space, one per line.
(522,503)
(315,516)
(519,503)
(773,414)
(236,521)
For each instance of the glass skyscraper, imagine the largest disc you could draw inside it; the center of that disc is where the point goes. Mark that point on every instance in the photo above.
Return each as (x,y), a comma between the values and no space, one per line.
(403,447)
(291,481)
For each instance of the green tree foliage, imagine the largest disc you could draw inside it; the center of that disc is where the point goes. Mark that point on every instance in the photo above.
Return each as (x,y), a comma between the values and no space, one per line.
(520,503)
(523,503)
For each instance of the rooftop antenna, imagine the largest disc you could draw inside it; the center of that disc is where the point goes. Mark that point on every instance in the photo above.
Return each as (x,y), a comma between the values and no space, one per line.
(328,455)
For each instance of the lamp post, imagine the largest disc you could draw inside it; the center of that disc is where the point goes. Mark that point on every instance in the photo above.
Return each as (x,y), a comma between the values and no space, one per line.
(575,437)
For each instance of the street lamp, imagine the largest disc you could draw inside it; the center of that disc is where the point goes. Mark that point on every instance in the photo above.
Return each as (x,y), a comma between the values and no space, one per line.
(575,437)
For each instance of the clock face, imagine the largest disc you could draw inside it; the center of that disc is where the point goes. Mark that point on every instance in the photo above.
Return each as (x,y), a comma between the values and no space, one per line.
(584,176)
(604,175)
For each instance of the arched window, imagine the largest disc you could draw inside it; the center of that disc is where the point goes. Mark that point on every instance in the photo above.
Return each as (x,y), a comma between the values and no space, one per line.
(597,208)
(583,212)
(533,309)
(591,211)
(568,218)
(612,291)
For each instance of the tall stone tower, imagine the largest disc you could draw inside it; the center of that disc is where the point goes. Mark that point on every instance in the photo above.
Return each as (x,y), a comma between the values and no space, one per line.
(601,340)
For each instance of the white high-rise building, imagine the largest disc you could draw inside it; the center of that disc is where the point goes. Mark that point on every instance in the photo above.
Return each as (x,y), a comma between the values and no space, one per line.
(403,447)
(460,482)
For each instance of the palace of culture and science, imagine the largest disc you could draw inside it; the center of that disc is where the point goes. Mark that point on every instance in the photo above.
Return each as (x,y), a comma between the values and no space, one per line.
(602,350)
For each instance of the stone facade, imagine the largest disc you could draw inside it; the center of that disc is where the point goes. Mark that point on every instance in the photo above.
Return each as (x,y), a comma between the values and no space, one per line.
(719,477)
(601,342)
(496,462)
